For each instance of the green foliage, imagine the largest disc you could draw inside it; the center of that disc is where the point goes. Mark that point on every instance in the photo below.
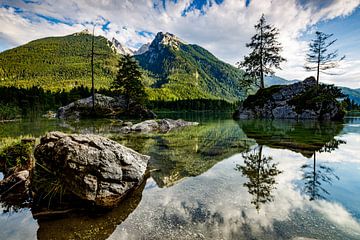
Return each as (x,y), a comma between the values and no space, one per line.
(189,151)
(260,172)
(35,100)
(261,96)
(316,96)
(9,111)
(189,72)
(57,63)
(128,81)
(63,63)
(303,137)
(265,54)
(18,155)
(319,59)
(350,105)
(193,104)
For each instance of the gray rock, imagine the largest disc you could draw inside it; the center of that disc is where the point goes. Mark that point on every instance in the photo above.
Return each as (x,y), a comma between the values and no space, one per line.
(161,125)
(105,106)
(92,167)
(278,105)
(284,112)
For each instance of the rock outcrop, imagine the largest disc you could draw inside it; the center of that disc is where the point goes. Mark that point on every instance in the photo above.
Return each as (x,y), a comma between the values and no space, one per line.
(92,167)
(105,106)
(301,100)
(161,125)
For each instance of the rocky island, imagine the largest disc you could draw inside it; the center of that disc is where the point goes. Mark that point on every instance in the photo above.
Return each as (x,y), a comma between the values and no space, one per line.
(301,100)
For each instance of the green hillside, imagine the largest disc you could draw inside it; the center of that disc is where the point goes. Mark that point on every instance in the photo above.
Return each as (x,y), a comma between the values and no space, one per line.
(58,63)
(173,70)
(186,71)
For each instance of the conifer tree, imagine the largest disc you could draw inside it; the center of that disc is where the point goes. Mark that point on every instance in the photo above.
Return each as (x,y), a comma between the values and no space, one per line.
(319,58)
(265,54)
(128,81)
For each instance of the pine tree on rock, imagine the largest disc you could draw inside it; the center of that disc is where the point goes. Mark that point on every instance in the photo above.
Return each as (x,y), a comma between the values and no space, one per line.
(319,58)
(265,54)
(128,81)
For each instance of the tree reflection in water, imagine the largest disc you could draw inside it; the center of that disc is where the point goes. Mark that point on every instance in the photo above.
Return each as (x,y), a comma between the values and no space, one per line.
(316,174)
(261,173)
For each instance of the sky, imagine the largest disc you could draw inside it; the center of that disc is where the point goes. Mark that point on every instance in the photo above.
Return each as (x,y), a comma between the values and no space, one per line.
(221,26)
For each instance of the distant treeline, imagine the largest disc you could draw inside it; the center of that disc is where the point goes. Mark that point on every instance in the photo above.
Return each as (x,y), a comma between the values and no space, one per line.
(194,104)
(351,105)
(35,101)
(15,102)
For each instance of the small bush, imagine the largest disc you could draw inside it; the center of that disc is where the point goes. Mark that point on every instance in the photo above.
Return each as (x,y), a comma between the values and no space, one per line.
(17,156)
(9,112)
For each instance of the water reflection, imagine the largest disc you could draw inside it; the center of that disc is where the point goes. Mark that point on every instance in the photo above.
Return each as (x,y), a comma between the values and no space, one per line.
(87,225)
(190,151)
(195,193)
(304,137)
(260,172)
(317,174)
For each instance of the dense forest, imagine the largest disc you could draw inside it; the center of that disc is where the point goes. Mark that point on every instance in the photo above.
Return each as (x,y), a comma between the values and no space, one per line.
(57,63)
(188,71)
(35,101)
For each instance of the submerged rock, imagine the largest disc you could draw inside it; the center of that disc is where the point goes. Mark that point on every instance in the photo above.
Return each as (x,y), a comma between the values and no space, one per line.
(92,167)
(105,106)
(161,125)
(301,100)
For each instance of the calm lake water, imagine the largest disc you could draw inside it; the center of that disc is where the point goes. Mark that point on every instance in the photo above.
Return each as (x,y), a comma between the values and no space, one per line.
(223,179)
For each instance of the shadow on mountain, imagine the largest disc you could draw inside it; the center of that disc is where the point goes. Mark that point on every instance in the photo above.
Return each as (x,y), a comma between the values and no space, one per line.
(304,137)
(87,225)
(189,151)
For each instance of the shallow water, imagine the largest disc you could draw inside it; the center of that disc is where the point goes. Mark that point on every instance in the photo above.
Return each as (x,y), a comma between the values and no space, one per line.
(223,179)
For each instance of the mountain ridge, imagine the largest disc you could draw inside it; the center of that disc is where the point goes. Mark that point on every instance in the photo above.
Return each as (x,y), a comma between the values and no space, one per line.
(186,71)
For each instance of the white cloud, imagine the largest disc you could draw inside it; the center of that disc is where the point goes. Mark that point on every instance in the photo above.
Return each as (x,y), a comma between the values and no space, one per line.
(222,210)
(223,30)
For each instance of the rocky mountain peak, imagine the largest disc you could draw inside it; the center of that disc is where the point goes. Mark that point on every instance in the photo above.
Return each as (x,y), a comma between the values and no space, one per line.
(166,39)
(144,48)
(120,48)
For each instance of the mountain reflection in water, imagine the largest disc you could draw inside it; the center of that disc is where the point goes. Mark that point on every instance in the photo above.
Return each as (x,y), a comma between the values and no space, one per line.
(292,180)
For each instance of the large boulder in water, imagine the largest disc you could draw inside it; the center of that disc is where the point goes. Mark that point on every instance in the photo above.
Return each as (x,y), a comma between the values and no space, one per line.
(104,107)
(92,167)
(301,100)
(160,125)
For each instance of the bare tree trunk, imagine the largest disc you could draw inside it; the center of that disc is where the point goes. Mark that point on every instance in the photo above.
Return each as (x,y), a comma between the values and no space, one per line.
(318,65)
(92,72)
(262,85)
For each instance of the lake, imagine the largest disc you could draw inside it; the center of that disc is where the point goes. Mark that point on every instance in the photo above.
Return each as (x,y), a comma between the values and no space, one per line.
(223,179)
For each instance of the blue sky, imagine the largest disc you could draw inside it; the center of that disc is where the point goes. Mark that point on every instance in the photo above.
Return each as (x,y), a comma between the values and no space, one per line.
(221,26)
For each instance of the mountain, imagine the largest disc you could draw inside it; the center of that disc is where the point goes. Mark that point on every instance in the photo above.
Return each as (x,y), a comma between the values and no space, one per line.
(58,62)
(354,94)
(142,49)
(178,70)
(172,68)
(275,80)
(120,48)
